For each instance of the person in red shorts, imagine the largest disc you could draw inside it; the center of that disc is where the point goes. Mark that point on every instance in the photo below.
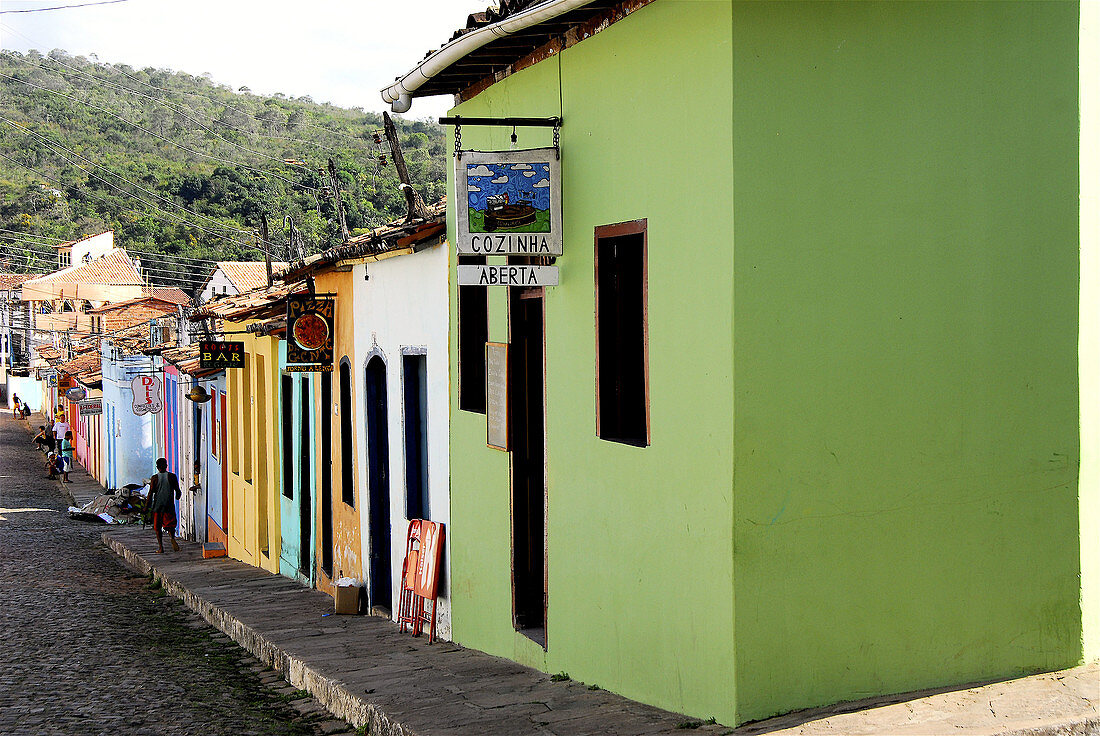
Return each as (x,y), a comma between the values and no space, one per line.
(164,489)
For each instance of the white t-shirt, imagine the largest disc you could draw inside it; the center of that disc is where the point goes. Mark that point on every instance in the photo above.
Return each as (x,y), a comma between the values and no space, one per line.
(59,429)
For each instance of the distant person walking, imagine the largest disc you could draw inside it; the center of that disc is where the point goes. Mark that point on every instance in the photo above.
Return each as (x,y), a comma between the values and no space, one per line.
(16,407)
(164,490)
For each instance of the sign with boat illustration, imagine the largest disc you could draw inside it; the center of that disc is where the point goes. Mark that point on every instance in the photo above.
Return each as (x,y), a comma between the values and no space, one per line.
(512,202)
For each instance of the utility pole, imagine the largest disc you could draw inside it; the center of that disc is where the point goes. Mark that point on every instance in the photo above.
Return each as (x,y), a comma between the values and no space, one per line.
(265,239)
(344,234)
(417,210)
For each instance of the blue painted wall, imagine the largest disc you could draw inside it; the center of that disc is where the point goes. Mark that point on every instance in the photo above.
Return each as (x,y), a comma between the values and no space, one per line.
(290,508)
(131,455)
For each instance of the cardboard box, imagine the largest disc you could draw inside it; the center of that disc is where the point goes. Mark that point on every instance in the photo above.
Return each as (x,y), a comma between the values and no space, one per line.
(346,598)
(211,550)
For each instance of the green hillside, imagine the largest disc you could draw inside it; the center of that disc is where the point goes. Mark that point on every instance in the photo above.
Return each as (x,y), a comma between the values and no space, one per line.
(181,166)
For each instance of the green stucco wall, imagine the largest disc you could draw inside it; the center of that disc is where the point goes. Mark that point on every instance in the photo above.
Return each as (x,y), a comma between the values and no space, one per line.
(863,474)
(640,559)
(905,347)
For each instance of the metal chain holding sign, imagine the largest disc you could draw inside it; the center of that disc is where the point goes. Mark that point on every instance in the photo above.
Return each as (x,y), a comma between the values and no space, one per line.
(458,140)
(557,139)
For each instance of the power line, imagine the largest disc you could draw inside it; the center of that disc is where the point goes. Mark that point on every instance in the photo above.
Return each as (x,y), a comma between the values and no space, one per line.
(180,146)
(169,217)
(52,144)
(43,237)
(62,7)
(19,240)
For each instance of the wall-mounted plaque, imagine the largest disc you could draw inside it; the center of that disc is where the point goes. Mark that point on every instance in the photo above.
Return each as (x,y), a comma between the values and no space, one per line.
(496,395)
(91,407)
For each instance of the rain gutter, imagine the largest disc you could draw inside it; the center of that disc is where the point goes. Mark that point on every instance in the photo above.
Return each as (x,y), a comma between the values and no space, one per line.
(399,94)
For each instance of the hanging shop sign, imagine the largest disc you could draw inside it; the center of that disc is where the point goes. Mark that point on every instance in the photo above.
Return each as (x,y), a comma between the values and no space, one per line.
(147,395)
(64,383)
(508,275)
(513,202)
(310,324)
(76,393)
(91,407)
(51,380)
(43,374)
(216,355)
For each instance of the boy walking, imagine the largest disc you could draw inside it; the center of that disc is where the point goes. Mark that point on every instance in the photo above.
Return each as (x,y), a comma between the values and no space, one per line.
(164,489)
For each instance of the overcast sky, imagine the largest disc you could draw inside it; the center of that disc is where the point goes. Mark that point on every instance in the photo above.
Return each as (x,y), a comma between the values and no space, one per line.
(338,51)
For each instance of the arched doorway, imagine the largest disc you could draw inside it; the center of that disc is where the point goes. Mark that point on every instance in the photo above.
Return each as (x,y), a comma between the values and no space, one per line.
(378,483)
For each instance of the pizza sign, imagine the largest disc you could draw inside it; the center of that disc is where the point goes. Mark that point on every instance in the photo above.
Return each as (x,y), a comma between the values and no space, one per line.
(310,324)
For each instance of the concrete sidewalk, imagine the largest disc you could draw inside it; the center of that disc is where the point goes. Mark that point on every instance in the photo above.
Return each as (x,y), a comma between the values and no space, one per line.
(367,673)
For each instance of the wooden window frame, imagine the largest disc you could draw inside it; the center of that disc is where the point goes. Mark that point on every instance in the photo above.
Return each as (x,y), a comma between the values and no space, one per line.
(620,229)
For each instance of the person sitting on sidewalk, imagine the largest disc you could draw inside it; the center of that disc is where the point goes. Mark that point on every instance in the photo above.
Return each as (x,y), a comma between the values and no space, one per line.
(51,466)
(164,489)
(43,439)
(67,456)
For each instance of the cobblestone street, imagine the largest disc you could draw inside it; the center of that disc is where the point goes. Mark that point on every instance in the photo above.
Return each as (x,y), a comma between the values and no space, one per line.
(90,647)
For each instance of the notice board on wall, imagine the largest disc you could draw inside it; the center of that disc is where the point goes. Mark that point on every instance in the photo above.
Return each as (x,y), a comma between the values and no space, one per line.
(496,395)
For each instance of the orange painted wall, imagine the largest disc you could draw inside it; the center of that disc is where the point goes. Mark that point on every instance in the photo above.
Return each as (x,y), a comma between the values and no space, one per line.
(347,549)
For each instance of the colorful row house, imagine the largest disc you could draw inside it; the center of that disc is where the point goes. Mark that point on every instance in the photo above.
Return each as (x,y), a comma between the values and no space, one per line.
(789,415)
(314,470)
(387,428)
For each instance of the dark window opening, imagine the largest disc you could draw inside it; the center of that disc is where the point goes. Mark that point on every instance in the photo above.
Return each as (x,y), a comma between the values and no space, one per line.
(416,436)
(305,505)
(622,399)
(347,445)
(473,333)
(288,436)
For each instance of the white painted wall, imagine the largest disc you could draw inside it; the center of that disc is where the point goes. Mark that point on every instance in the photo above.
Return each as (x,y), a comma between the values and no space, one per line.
(1089,336)
(404,305)
(217,286)
(92,247)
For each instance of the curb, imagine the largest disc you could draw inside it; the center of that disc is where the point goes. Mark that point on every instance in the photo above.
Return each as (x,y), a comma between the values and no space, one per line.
(331,693)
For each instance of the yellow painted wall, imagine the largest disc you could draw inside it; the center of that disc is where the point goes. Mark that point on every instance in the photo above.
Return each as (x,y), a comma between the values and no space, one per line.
(347,549)
(254,452)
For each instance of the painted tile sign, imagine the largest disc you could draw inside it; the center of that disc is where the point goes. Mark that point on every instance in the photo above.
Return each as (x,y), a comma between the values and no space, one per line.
(215,355)
(310,323)
(147,395)
(513,202)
